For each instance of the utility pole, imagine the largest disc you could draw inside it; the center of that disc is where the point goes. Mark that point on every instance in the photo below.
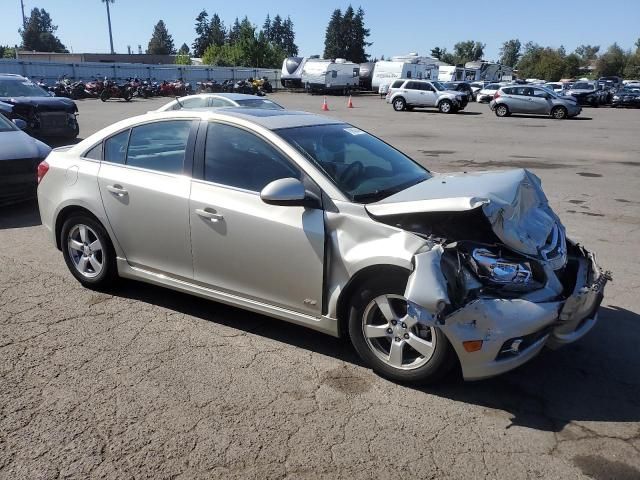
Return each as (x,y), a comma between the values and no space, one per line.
(24,18)
(109,20)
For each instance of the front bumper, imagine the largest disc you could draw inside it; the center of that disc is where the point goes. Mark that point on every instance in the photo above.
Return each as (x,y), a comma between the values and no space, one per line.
(503,323)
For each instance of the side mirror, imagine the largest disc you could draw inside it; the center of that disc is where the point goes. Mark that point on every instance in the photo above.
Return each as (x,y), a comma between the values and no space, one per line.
(288,192)
(21,124)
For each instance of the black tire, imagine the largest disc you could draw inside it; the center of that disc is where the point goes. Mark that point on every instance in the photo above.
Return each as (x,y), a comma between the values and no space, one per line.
(104,95)
(559,113)
(438,365)
(502,110)
(127,96)
(109,271)
(75,133)
(446,106)
(399,104)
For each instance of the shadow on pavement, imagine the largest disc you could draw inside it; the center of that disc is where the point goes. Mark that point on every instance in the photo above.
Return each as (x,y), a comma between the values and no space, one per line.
(20,215)
(595,379)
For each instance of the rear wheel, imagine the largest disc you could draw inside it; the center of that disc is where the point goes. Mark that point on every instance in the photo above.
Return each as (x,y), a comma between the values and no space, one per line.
(104,95)
(88,251)
(559,113)
(502,111)
(399,104)
(392,343)
(445,106)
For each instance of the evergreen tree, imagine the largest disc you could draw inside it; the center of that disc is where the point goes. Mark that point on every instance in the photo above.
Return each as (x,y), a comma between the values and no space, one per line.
(332,38)
(217,32)
(438,52)
(288,38)
(184,49)
(234,32)
(266,28)
(39,33)
(276,32)
(203,34)
(355,51)
(161,42)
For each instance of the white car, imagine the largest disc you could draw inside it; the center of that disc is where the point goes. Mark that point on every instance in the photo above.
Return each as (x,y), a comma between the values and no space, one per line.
(407,94)
(219,100)
(486,94)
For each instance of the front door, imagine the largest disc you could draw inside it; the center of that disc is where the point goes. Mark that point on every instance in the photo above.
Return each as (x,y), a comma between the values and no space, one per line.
(146,195)
(241,245)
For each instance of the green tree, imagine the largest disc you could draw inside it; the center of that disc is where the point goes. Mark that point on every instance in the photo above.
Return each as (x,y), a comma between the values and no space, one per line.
(183,59)
(266,27)
(632,69)
(7,52)
(203,34)
(332,37)
(358,39)
(234,32)
(288,42)
(217,31)
(437,52)
(612,62)
(468,51)
(184,49)
(587,53)
(39,33)
(542,62)
(510,52)
(572,64)
(161,42)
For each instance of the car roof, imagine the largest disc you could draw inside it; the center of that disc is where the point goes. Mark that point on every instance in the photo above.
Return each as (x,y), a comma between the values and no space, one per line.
(273,119)
(12,76)
(228,96)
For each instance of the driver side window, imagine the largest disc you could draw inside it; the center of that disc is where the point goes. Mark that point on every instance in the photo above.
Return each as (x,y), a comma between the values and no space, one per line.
(237,158)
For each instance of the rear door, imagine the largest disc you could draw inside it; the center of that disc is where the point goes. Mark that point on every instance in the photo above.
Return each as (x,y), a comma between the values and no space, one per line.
(413,94)
(241,245)
(145,192)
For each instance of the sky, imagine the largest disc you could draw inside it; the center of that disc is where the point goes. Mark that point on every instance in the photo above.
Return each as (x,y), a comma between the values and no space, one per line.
(415,26)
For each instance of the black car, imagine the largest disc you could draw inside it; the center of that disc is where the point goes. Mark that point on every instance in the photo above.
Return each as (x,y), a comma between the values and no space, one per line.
(463,87)
(46,116)
(20,155)
(626,97)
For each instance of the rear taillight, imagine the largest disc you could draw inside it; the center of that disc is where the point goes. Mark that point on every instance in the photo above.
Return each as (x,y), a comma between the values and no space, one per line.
(496,95)
(43,168)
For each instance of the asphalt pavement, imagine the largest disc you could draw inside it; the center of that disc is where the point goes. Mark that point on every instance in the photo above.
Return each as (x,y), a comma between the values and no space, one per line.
(144,382)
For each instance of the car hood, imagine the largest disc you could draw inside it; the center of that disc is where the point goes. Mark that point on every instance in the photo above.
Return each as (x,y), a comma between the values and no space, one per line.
(43,103)
(581,92)
(512,201)
(17,144)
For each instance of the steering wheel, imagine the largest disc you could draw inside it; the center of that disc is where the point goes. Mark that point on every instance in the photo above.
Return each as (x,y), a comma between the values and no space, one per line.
(353,171)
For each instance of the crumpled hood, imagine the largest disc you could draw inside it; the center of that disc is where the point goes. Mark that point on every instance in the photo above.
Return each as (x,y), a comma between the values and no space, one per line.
(512,201)
(43,103)
(16,145)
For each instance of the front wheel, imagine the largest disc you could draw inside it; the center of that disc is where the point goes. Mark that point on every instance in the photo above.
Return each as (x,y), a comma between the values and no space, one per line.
(88,252)
(559,113)
(389,341)
(399,104)
(104,95)
(445,106)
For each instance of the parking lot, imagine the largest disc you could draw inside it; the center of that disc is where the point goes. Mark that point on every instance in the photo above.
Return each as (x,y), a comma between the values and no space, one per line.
(144,382)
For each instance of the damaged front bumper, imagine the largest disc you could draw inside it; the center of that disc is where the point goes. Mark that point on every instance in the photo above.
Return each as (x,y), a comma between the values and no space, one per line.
(511,330)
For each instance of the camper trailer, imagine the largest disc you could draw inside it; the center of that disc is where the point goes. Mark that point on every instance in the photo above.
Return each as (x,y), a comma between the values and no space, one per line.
(337,75)
(291,75)
(451,73)
(478,71)
(366,74)
(403,66)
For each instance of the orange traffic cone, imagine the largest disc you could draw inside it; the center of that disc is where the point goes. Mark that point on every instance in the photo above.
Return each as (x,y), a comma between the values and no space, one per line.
(349,103)
(325,107)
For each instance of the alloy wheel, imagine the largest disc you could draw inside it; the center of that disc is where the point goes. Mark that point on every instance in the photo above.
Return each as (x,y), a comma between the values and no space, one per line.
(393,336)
(85,251)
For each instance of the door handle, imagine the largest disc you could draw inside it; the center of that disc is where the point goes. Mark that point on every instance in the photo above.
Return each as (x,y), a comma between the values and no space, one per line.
(117,190)
(208,213)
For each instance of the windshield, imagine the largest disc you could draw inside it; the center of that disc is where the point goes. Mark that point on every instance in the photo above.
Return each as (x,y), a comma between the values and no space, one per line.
(20,88)
(450,85)
(584,86)
(6,125)
(259,103)
(362,166)
(438,86)
(492,86)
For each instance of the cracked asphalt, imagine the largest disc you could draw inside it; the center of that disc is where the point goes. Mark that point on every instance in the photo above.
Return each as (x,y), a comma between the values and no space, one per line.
(144,382)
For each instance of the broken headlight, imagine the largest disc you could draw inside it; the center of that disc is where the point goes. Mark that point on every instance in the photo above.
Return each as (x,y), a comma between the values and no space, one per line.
(511,274)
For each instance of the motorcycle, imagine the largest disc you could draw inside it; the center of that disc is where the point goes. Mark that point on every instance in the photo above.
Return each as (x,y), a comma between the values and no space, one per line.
(95,87)
(113,90)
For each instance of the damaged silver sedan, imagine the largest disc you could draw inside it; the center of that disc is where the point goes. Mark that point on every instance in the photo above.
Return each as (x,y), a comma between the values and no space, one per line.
(316,222)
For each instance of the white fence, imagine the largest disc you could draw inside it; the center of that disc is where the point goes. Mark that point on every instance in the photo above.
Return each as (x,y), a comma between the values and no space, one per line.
(52,71)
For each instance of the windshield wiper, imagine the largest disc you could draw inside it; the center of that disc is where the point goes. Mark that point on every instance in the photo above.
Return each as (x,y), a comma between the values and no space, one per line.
(380,194)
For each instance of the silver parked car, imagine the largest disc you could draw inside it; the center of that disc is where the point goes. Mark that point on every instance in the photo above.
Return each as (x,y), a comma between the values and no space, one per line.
(536,100)
(218,100)
(316,222)
(409,94)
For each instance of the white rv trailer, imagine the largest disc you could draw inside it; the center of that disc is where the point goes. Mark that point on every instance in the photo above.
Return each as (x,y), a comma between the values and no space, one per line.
(476,72)
(291,75)
(319,75)
(403,66)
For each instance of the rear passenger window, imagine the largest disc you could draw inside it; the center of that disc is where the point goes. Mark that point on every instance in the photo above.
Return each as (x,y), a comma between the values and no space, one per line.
(115,148)
(408,74)
(237,158)
(397,84)
(412,86)
(95,153)
(196,102)
(159,146)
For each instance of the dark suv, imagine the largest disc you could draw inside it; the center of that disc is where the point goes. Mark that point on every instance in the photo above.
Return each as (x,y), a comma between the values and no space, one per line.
(46,116)
(463,87)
